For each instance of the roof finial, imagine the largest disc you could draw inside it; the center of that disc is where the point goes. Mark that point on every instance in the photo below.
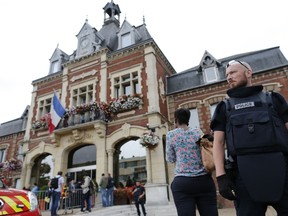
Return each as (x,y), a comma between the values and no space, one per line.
(86,20)
(144,20)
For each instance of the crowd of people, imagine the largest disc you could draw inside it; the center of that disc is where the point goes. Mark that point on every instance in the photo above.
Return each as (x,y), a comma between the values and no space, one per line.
(70,190)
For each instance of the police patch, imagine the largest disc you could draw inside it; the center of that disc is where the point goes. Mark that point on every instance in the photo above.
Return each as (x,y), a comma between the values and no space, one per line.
(244,105)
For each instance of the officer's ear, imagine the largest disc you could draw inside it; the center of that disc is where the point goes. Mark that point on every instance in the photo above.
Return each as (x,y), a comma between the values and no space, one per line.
(248,73)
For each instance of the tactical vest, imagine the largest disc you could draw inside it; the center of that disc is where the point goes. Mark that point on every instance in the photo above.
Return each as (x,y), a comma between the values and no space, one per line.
(253,126)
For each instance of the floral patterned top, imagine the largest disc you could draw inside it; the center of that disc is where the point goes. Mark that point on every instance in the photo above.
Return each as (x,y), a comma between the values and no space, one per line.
(182,149)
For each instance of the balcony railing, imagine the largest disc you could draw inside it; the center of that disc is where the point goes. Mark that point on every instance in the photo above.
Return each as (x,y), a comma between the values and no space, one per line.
(91,112)
(83,118)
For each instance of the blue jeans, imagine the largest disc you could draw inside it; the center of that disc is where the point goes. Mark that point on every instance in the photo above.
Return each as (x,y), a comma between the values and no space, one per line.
(104,196)
(86,198)
(110,196)
(189,192)
(55,202)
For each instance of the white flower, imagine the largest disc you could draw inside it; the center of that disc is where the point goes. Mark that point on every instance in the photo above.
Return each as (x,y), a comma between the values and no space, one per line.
(149,140)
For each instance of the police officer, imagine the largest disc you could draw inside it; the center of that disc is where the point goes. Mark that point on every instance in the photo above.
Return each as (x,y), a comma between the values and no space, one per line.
(258,164)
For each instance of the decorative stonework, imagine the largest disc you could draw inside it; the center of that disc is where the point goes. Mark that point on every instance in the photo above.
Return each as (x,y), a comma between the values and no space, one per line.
(272,86)
(100,130)
(162,90)
(128,113)
(83,75)
(126,129)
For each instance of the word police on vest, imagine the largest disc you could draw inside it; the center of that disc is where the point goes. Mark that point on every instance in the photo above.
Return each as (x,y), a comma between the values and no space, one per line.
(244,105)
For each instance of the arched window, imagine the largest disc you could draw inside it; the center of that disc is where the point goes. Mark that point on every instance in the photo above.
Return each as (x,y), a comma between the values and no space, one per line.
(194,118)
(82,156)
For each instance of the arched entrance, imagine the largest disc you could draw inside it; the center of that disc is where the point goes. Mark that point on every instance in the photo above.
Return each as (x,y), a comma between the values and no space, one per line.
(40,171)
(129,163)
(81,158)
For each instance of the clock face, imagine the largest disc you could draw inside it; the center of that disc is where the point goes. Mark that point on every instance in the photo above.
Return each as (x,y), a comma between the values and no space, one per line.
(84,42)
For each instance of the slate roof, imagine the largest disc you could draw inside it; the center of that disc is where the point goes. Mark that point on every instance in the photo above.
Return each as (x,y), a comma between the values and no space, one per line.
(109,33)
(14,126)
(261,60)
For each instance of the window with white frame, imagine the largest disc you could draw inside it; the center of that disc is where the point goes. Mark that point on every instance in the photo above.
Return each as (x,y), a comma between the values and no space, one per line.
(194,118)
(211,74)
(44,107)
(212,108)
(2,155)
(55,66)
(82,94)
(126,40)
(20,152)
(126,84)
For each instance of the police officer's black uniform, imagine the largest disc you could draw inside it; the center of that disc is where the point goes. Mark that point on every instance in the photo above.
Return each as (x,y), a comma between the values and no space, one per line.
(259,178)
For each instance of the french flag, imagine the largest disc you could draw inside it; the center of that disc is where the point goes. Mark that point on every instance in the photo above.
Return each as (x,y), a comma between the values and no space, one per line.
(56,113)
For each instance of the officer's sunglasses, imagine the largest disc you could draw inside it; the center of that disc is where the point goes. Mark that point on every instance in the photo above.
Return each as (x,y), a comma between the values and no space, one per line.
(234,61)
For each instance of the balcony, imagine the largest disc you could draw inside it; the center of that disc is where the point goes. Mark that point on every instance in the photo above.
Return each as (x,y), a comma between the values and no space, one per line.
(86,117)
(94,111)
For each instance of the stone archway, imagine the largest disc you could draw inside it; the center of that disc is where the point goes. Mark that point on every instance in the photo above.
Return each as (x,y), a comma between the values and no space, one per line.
(157,185)
(34,157)
(116,155)
(38,174)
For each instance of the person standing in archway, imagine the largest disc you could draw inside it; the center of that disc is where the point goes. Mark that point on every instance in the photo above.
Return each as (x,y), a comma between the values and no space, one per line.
(103,189)
(86,196)
(110,190)
(35,189)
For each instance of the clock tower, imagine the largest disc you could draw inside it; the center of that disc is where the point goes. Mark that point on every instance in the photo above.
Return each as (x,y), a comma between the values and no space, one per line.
(85,37)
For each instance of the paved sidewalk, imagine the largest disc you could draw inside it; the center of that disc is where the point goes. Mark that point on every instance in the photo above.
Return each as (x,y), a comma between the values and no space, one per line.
(222,212)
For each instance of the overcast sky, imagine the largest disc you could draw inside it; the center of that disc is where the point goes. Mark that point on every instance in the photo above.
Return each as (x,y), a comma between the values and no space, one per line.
(184,29)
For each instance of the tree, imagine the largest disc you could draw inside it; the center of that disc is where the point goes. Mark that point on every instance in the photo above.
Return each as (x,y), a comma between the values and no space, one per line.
(43,179)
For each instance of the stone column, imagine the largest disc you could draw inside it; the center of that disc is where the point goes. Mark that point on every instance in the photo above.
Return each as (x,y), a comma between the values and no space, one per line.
(148,165)
(156,186)
(28,174)
(101,153)
(110,153)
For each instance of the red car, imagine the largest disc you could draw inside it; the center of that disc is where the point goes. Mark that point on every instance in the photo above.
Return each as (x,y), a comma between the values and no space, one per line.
(18,202)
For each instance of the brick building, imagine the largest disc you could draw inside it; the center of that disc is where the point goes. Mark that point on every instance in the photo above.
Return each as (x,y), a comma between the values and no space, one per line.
(11,148)
(112,86)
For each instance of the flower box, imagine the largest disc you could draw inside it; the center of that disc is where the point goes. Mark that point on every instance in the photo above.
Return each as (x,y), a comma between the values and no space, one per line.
(149,140)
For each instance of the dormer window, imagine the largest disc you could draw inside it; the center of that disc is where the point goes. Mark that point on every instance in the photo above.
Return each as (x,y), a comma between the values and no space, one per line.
(126,40)
(57,59)
(55,66)
(211,74)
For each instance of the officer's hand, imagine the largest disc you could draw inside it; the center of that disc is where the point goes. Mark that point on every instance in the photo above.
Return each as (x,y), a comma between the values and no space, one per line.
(226,187)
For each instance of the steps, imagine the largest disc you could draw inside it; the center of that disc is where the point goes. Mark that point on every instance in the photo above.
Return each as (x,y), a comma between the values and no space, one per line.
(130,210)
